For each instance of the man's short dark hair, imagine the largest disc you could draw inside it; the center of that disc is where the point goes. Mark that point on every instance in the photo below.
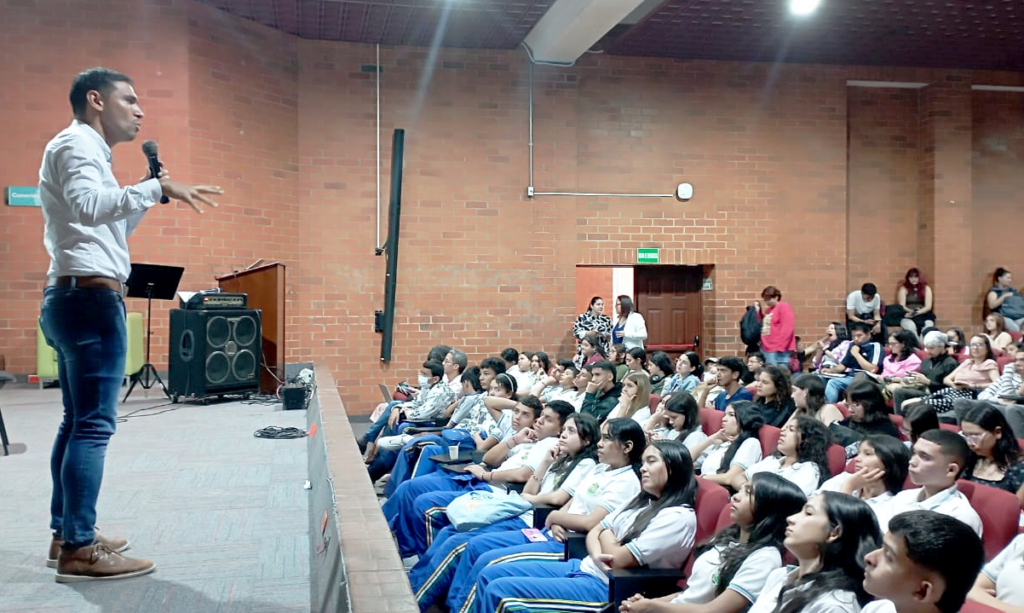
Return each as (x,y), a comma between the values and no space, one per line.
(860,325)
(604,365)
(734,364)
(943,545)
(869,289)
(510,354)
(436,368)
(438,352)
(533,403)
(563,409)
(951,445)
(102,80)
(495,364)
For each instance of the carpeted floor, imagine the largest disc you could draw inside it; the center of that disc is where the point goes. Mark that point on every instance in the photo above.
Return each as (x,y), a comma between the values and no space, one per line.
(222,513)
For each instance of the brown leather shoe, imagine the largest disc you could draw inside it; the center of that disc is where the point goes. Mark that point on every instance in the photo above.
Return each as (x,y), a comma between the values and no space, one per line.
(97,563)
(117,544)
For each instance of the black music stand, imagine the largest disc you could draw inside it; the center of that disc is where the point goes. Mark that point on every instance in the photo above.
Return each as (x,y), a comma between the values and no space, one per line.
(151,281)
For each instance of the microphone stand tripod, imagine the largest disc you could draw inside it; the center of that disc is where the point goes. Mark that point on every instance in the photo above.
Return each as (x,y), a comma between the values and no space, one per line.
(147,377)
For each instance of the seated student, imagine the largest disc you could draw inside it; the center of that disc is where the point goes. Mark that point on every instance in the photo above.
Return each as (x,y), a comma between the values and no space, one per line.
(557,477)
(518,456)
(561,387)
(918,419)
(602,393)
(801,457)
(774,395)
(809,399)
(1000,584)
(455,363)
(735,447)
(635,399)
(591,349)
(933,371)
(617,356)
(609,486)
(687,376)
(879,471)
(1001,395)
(901,360)
(1004,299)
(828,538)
(865,307)
(995,330)
(681,422)
(868,415)
(660,366)
(974,374)
(755,361)
(915,296)
(997,460)
(636,361)
(540,365)
(429,404)
(830,350)
(926,564)
(656,529)
(548,381)
(957,342)
(939,458)
(864,355)
(486,417)
(729,374)
(731,569)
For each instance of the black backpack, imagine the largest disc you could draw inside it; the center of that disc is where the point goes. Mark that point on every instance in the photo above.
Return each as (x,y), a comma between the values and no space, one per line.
(750,328)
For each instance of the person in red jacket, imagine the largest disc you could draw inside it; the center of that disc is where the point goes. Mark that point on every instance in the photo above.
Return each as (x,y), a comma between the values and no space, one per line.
(778,327)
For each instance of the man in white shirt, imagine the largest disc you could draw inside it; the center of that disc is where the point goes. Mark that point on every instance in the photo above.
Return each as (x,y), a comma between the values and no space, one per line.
(927,564)
(88,218)
(865,306)
(938,460)
(455,364)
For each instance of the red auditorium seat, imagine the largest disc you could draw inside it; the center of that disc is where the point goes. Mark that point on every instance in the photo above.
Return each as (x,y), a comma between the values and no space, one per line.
(724,518)
(922,353)
(711,421)
(711,499)
(843,409)
(999,511)
(973,606)
(836,459)
(1002,361)
(1015,336)
(950,427)
(655,399)
(769,437)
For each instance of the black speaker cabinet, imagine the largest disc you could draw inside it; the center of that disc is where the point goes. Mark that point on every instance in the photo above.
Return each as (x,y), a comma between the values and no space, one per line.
(214,352)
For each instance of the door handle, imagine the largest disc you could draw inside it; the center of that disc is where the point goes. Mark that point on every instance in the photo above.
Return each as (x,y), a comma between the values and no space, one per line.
(696,341)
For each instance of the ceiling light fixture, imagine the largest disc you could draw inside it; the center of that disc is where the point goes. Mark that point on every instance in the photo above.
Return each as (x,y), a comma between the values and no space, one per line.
(803,7)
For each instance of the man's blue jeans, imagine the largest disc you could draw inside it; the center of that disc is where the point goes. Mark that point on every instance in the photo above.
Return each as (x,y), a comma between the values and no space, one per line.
(87,328)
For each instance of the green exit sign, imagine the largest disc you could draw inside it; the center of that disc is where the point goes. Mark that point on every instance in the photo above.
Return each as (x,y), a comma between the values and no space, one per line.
(23,196)
(647,256)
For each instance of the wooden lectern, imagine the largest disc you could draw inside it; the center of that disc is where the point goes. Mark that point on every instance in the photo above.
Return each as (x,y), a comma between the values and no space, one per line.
(265,287)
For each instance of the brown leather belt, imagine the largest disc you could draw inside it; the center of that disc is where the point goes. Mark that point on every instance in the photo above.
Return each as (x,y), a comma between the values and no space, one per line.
(92,282)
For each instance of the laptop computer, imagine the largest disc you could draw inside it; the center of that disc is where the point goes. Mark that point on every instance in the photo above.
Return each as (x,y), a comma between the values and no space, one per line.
(384,392)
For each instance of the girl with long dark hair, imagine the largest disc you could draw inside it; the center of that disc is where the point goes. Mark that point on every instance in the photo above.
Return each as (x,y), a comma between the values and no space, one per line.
(735,447)
(879,472)
(592,321)
(558,474)
(915,296)
(607,487)
(661,369)
(809,399)
(829,538)
(997,458)
(802,456)
(868,415)
(775,395)
(656,529)
(732,567)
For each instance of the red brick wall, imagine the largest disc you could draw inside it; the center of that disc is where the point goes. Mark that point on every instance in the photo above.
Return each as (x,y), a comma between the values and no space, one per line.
(287,127)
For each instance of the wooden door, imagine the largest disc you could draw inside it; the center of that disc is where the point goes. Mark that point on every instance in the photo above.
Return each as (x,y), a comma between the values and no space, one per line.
(669,298)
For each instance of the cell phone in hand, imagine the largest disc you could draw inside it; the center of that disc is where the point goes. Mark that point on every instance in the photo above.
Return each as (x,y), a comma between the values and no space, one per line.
(534,535)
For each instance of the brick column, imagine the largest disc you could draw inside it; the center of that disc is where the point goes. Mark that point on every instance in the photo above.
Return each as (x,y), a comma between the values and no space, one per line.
(944,198)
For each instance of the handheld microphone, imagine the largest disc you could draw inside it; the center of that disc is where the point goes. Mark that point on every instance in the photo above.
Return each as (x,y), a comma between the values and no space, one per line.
(150,149)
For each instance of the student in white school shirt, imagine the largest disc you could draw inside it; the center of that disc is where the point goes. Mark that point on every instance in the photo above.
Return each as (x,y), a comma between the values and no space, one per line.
(1000,584)
(732,568)
(829,538)
(802,455)
(735,447)
(879,472)
(926,564)
(938,460)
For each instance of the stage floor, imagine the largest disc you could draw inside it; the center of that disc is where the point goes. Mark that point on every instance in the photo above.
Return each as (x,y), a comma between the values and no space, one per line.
(222,513)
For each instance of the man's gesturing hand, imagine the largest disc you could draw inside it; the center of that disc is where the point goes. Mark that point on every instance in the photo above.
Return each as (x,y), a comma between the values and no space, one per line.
(192,194)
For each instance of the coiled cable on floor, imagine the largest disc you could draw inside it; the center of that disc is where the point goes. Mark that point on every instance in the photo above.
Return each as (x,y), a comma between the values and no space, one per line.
(277,432)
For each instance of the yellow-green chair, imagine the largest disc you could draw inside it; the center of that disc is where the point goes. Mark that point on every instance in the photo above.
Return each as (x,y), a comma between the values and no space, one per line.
(46,356)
